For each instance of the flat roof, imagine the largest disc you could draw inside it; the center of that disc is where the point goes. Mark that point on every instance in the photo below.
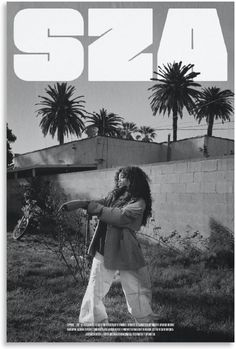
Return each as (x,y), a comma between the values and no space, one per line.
(87,140)
(49,169)
(49,166)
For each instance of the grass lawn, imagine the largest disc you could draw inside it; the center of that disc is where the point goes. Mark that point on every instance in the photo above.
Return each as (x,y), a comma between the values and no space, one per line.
(42,297)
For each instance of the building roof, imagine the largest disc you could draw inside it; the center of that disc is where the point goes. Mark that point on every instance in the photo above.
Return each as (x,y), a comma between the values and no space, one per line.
(86,140)
(29,171)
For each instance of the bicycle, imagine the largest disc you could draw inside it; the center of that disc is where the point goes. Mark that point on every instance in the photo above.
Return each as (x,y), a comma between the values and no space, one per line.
(33,218)
(29,221)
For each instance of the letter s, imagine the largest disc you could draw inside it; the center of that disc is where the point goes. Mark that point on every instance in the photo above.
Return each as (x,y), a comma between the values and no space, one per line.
(50,53)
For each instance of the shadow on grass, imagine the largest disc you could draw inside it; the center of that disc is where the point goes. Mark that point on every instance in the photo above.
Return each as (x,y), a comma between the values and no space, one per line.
(195,301)
(187,334)
(47,296)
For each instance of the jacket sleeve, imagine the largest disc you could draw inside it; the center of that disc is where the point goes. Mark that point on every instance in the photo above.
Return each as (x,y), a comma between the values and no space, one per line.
(101,201)
(120,217)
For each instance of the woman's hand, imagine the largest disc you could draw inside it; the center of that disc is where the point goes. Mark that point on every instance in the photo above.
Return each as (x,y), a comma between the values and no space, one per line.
(95,208)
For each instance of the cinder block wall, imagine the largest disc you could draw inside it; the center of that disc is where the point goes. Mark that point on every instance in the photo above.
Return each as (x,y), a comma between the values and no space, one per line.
(186,194)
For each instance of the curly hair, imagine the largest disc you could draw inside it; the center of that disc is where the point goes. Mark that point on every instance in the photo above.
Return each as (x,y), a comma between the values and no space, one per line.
(138,189)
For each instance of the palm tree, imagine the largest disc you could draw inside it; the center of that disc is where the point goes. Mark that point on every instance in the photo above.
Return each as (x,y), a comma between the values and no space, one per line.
(212,104)
(174,90)
(61,114)
(127,130)
(148,133)
(107,124)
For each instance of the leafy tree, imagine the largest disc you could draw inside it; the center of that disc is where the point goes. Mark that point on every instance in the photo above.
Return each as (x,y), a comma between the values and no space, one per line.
(212,104)
(10,139)
(107,124)
(147,134)
(127,130)
(174,90)
(61,113)
(91,131)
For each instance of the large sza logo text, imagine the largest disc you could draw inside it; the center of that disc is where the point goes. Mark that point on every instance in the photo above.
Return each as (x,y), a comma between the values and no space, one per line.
(50,49)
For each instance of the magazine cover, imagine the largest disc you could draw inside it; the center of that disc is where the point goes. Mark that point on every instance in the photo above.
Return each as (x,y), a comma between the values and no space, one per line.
(120,171)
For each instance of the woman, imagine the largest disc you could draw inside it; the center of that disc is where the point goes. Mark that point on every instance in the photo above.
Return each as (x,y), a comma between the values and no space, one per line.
(115,248)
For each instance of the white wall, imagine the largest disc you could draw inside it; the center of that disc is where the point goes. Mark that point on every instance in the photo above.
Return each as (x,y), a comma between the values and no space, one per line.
(103,151)
(132,152)
(187,148)
(192,148)
(186,194)
(108,152)
(219,146)
(82,152)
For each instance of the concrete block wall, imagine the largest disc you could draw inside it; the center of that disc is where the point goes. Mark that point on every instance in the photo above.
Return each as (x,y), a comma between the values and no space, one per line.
(186,194)
(189,194)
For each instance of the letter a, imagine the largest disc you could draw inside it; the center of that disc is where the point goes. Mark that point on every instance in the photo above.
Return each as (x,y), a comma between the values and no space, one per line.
(195,36)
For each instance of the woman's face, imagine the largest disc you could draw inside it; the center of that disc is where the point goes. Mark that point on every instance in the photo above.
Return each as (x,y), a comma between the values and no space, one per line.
(123,181)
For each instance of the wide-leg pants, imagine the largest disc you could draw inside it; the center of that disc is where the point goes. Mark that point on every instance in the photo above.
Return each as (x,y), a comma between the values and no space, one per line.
(136,287)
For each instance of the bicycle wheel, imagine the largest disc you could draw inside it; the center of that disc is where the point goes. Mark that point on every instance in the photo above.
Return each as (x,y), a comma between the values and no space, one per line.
(20,228)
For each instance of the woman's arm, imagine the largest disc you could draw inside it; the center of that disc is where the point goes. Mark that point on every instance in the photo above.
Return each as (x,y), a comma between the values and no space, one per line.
(120,217)
(74,205)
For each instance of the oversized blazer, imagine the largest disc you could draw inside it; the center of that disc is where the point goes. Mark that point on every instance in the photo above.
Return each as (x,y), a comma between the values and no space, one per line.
(122,250)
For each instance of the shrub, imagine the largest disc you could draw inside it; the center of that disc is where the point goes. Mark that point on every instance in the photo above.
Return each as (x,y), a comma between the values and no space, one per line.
(66,229)
(192,248)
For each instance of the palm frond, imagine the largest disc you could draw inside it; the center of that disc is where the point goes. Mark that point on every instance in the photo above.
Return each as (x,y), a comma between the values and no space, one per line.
(108,124)
(212,103)
(61,113)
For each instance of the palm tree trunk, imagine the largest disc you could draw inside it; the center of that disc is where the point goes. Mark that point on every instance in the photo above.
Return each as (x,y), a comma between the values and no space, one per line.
(210,126)
(60,136)
(175,119)
(61,125)
(103,127)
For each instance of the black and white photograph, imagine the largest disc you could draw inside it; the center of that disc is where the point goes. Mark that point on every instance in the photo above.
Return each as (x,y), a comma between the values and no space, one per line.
(120,172)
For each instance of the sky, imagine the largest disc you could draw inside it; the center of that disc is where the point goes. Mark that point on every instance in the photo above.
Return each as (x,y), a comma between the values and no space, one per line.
(127,99)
